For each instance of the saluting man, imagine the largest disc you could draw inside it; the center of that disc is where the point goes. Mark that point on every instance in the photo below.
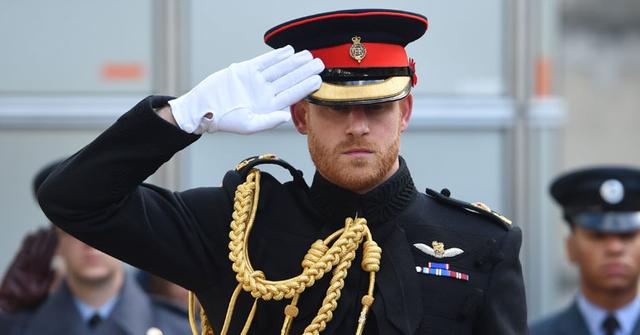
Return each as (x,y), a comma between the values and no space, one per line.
(267,257)
(602,207)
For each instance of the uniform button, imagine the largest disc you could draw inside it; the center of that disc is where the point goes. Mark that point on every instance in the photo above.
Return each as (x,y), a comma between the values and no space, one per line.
(154,331)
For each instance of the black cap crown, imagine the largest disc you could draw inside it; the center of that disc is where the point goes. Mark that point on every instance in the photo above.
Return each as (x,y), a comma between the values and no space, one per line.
(601,198)
(363,51)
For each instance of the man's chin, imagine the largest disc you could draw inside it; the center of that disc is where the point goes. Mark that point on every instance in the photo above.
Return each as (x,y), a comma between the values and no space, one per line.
(617,285)
(359,164)
(358,181)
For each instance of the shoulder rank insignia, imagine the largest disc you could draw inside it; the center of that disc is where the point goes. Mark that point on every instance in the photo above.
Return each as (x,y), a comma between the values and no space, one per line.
(438,250)
(486,208)
(476,207)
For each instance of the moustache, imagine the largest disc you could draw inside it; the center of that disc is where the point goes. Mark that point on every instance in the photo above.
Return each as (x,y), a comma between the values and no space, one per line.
(352,144)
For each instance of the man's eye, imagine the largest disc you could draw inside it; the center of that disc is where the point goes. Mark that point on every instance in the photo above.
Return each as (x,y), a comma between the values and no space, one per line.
(628,235)
(339,109)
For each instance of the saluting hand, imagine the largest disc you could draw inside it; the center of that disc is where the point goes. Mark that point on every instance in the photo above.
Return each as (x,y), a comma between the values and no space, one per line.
(251,96)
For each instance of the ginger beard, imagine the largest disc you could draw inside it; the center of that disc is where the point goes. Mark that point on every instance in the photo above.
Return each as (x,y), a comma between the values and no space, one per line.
(356,174)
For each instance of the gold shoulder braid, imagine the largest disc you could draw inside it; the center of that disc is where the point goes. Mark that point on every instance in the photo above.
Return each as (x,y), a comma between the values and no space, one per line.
(335,252)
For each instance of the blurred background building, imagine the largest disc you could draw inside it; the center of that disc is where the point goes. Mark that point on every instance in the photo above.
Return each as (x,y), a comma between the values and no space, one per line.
(510,93)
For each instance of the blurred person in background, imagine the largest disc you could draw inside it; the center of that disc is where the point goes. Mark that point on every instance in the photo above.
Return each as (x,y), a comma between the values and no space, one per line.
(95,296)
(164,291)
(602,207)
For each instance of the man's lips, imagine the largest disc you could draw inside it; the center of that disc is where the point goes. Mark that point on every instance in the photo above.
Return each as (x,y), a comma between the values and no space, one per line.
(613,269)
(357,152)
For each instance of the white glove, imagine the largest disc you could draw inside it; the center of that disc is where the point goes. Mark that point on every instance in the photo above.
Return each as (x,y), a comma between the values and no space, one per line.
(251,96)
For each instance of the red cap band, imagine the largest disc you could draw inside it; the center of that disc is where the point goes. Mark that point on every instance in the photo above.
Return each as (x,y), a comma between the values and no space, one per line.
(378,55)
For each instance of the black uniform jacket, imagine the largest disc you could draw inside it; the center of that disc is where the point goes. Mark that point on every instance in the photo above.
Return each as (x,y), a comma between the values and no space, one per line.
(98,196)
(135,313)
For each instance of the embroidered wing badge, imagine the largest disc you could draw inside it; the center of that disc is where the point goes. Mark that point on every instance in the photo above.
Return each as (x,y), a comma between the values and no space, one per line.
(437,250)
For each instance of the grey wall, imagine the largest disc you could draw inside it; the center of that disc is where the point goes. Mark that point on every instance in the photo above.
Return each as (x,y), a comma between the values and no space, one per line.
(472,31)
(75,46)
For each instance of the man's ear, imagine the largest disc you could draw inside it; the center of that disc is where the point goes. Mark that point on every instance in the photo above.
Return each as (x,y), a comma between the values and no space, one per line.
(299,116)
(406,107)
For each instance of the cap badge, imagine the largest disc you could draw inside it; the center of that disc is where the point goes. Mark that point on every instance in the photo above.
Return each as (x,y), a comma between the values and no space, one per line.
(612,191)
(357,50)
(437,250)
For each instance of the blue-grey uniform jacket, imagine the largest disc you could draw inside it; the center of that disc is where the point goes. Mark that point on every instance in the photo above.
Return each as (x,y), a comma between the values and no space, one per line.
(567,322)
(135,313)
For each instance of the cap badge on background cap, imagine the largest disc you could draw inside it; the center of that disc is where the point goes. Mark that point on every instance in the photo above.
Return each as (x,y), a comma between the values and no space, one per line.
(612,191)
(357,50)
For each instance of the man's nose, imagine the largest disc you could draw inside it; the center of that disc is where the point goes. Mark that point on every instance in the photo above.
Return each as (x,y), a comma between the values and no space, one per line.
(358,123)
(614,244)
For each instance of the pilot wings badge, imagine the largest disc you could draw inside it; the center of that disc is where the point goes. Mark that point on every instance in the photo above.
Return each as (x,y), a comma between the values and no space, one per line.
(437,250)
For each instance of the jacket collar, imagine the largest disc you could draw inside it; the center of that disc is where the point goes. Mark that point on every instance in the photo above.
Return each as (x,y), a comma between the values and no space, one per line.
(378,206)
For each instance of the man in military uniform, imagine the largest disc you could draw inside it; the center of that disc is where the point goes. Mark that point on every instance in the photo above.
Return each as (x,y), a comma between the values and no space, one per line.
(446,266)
(95,296)
(602,207)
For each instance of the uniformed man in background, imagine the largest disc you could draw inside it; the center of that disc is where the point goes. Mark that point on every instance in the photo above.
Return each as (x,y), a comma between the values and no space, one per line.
(94,296)
(270,257)
(602,207)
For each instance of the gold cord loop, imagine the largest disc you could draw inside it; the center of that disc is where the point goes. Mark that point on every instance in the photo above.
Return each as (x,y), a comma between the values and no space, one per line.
(333,254)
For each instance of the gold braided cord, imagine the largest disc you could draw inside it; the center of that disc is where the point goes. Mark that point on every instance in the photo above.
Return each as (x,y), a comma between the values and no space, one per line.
(205,324)
(204,321)
(290,312)
(192,317)
(247,324)
(230,308)
(335,253)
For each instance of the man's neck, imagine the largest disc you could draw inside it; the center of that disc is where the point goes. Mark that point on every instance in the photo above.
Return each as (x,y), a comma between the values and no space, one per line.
(96,294)
(610,301)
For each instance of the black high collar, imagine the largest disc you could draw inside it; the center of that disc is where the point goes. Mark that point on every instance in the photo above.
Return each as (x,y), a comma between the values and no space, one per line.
(378,206)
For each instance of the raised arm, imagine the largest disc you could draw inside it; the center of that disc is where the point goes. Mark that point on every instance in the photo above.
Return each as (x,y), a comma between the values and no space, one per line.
(98,194)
